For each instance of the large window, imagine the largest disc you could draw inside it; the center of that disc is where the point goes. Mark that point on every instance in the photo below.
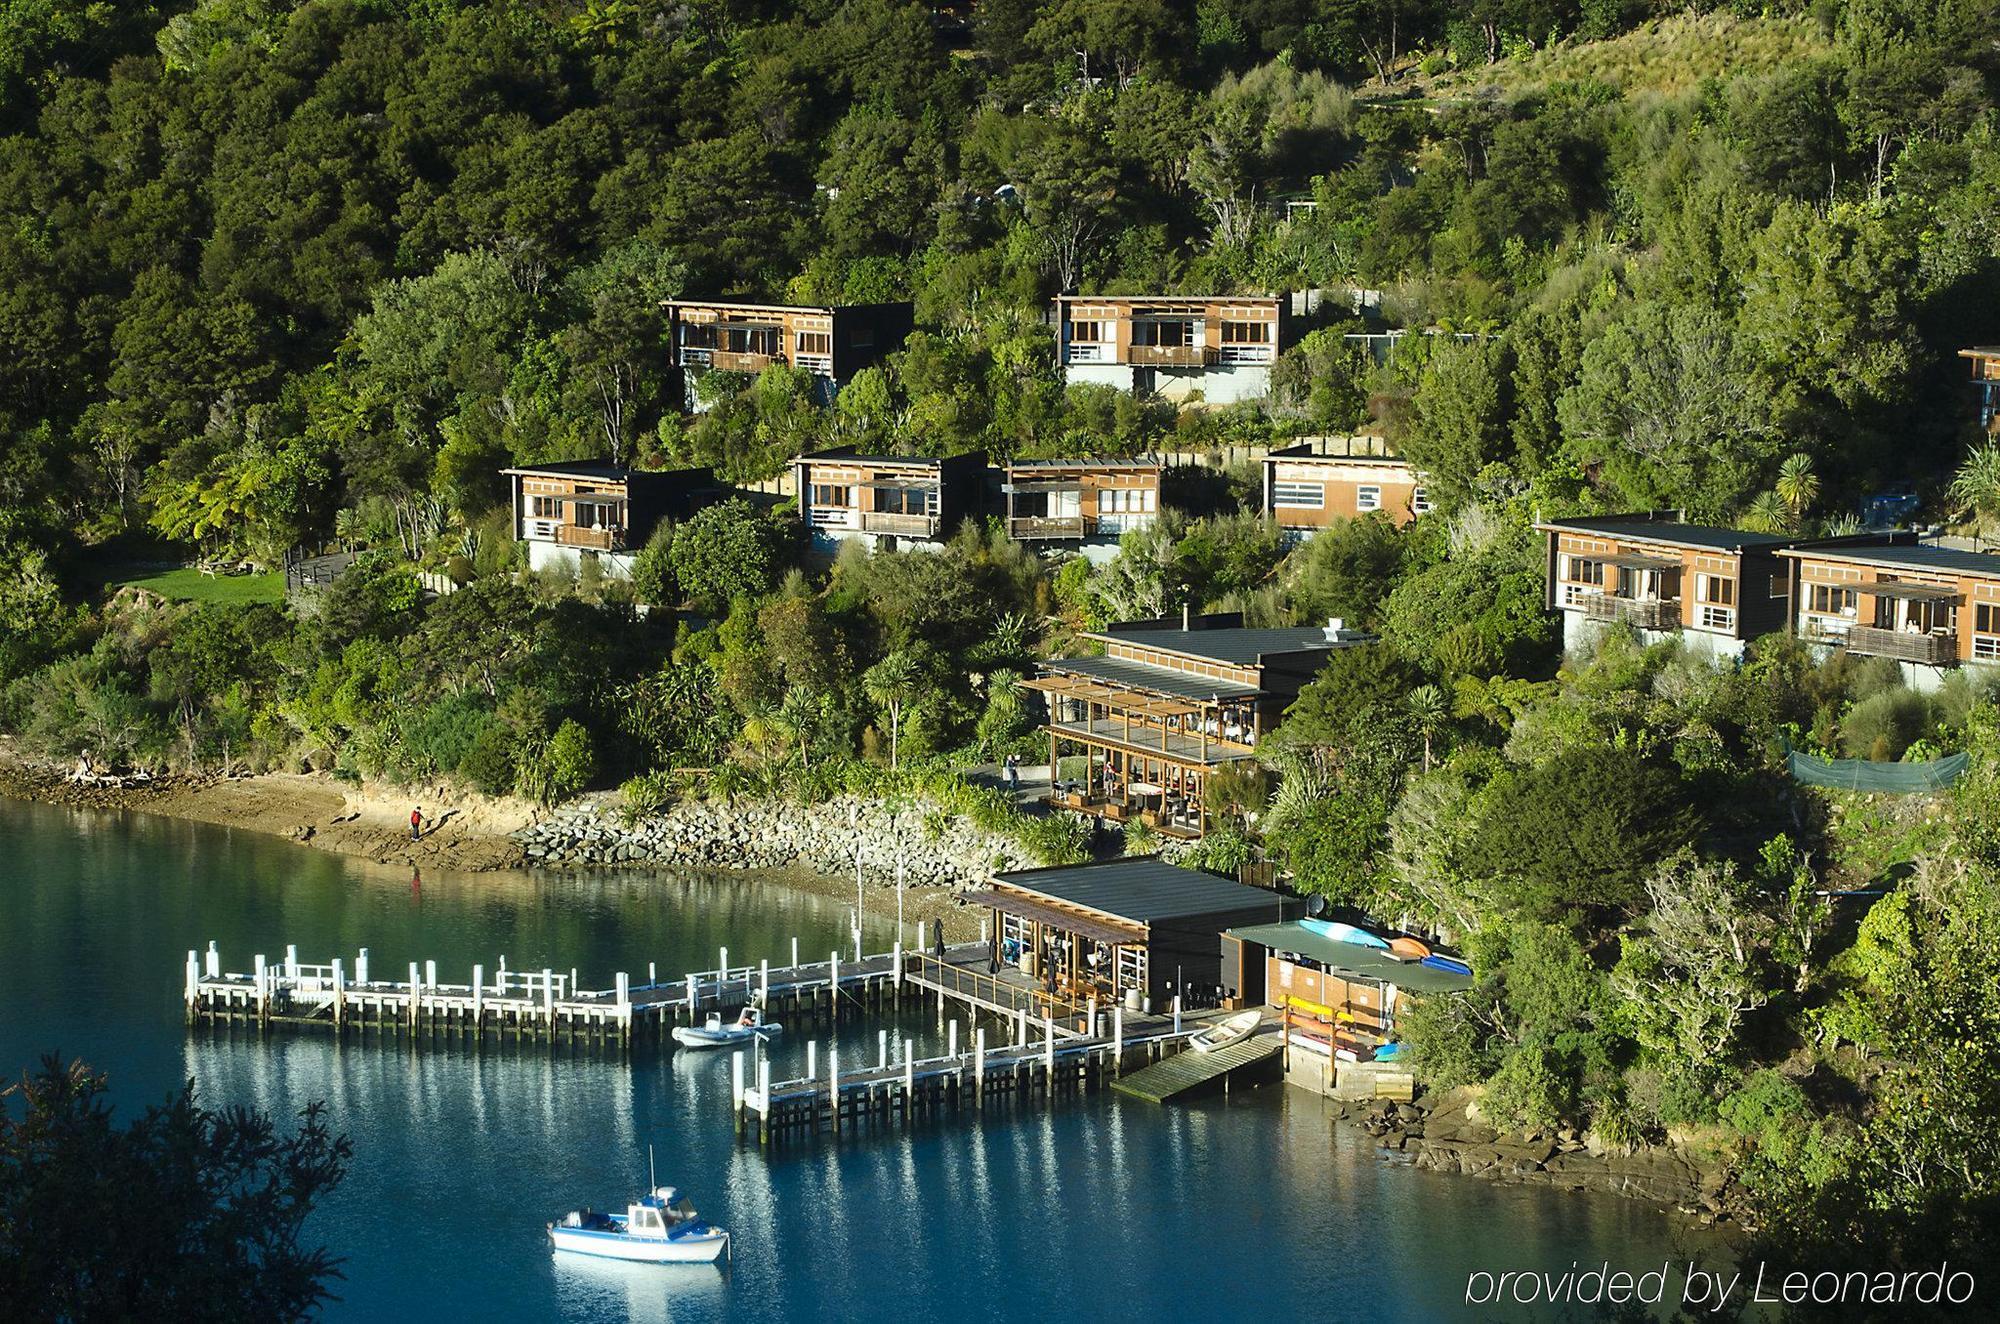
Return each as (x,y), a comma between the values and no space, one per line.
(1368,497)
(832,494)
(1246,333)
(1583,570)
(1307,496)
(1986,632)
(901,501)
(544,508)
(1092,332)
(1832,600)
(1420,501)
(698,335)
(1166,335)
(1718,589)
(815,342)
(1124,500)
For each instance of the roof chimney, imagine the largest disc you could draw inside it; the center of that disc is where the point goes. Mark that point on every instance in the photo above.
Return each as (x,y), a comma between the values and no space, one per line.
(1336,629)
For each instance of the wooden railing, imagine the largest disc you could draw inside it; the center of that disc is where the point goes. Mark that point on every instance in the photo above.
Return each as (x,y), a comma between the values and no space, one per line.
(996,992)
(1170,356)
(604,540)
(1042,526)
(915,526)
(1645,613)
(730,360)
(1936,650)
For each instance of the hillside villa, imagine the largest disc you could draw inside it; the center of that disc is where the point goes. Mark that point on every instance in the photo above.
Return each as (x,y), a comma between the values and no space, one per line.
(1220,349)
(886,501)
(719,335)
(1319,480)
(1930,608)
(574,511)
(1083,504)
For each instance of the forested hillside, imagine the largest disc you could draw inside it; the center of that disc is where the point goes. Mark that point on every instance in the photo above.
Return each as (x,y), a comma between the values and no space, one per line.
(278,275)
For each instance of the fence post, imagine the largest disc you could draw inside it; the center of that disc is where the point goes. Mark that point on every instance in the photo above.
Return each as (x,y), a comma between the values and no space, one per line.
(833,1083)
(795,957)
(416,994)
(478,995)
(193,979)
(979,1062)
(430,974)
(339,993)
(1118,1038)
(764,981)
(812,1059)
(736,1087)
(881,1050)
(361,966)
(896,964)
(1049,1050)
(214,966)
(909,1077)
(291,960)
(951,1040)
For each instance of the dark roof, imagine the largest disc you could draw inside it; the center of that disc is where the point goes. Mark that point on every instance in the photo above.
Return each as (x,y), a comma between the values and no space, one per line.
(1237,647)
(1313,450)
(602,469)
(848,455)
(1147,676)
(1348,958)
(1145,889)
(1908,557)
(1085,462)
(1648,528)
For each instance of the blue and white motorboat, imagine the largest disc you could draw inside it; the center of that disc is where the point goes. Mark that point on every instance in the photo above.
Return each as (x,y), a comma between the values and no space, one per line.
(660,1228)
(715,1034)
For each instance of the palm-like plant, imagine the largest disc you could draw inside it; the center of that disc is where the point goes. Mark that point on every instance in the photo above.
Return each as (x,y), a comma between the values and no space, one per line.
(799,717)
(1428,712)
(1767,514)
(1975,488)
(891,683)
(1797,486)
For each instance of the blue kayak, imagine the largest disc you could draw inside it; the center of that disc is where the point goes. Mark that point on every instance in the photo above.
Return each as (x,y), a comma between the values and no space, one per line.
(1446,963)
(1334,929)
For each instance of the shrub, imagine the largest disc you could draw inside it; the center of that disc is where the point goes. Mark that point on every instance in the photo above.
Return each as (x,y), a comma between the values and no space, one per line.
(648,793)
(489,763)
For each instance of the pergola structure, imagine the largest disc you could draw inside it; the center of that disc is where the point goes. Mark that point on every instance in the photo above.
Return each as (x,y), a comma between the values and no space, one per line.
(1149,750)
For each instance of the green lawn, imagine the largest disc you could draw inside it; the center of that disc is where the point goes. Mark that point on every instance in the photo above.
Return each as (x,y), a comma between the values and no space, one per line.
(188,585)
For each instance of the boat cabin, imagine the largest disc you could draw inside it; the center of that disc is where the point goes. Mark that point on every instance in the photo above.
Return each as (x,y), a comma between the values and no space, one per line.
(1136,930)
(1340,1000)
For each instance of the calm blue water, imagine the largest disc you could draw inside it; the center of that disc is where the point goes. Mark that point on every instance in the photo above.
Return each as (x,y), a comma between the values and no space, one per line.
(1105,1208)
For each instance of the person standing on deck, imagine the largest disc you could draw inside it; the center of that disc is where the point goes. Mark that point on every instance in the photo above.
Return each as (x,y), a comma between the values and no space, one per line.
(1013,766)
(416,823)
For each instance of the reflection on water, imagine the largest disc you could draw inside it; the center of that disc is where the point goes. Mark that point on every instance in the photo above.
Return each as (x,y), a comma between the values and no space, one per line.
(464,1150)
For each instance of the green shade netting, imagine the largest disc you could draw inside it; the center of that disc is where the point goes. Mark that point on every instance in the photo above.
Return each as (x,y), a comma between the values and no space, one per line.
(1861,775)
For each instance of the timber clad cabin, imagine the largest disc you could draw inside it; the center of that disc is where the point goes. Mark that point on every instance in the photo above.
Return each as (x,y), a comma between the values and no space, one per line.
(1137,732)
(1931,608)
(1340,998)
(1986,377)
(577,509)
(886,500)
(1175,346)
(1326,479)
(1716,588)
(1080,501)
(715,335)
(1136,930)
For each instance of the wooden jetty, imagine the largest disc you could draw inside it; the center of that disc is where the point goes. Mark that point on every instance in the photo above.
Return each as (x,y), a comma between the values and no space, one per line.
(1038,1063)
(545,1003)
(1186,1071)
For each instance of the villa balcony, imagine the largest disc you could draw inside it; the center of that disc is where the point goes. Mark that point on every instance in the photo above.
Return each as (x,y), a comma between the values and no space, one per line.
(908,526)
(728,360)
(1931,650)
(603,540)
(1032,528)
(1170,356)
(1641,613)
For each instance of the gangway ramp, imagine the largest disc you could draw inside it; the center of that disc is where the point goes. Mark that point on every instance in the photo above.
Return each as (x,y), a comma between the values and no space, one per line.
(1189,1070)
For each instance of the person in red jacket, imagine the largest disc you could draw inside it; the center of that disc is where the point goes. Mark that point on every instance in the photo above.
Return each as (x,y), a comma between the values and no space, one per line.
(416,823)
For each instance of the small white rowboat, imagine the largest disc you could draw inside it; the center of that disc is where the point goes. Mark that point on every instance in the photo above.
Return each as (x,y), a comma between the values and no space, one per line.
(1223,1033)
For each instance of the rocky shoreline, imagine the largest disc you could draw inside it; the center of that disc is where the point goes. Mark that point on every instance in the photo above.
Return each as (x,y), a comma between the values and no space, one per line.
(932,849)
(1442,1132)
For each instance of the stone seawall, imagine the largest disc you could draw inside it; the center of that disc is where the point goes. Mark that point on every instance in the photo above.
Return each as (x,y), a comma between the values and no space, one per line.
(935,849)
(1444,1133)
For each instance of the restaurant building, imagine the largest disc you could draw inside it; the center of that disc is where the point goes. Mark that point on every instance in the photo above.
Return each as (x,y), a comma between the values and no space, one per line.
(1137,732)
(1136,930)
(575,511)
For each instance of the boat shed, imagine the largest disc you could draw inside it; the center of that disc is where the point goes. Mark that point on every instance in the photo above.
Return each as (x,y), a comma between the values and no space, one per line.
(1340,994)
(1137,929)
